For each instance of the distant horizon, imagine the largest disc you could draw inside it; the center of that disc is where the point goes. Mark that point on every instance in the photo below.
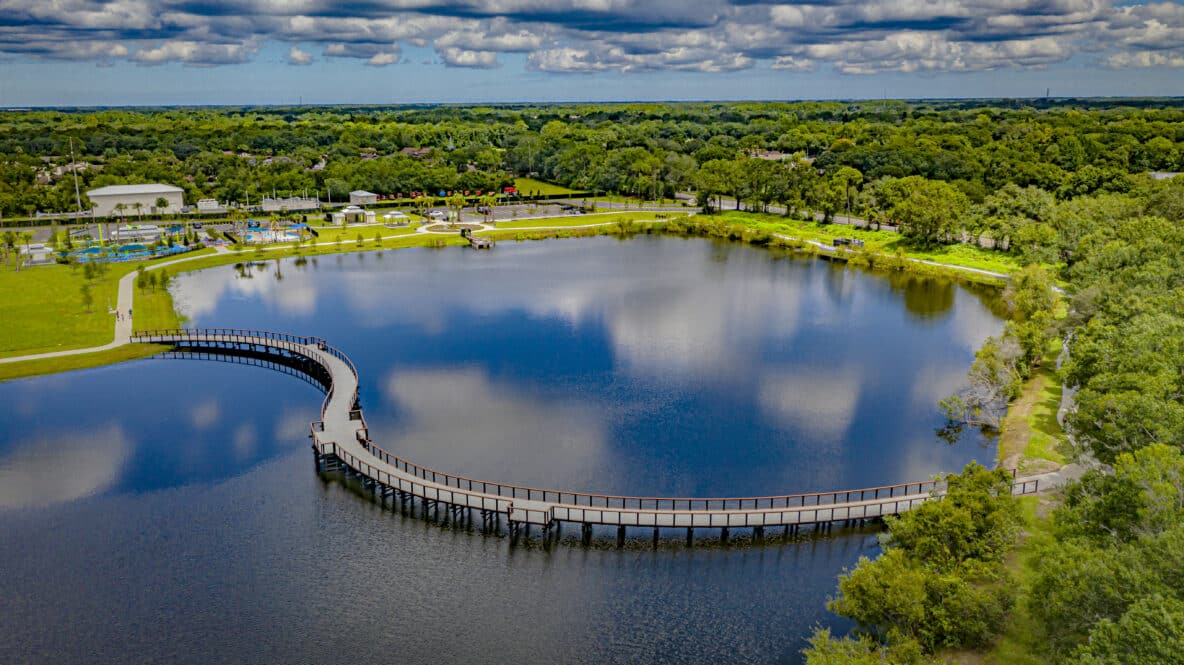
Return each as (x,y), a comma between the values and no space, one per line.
(530,103)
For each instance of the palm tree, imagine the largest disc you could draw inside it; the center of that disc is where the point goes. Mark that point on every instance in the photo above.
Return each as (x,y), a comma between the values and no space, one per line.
(119,208)
(139,210)
(422,203)
(25,238)
(8,243)
(487,202)
(457,203)
(162,205)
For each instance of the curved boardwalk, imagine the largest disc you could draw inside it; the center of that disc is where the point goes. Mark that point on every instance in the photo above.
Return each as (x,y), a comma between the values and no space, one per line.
(341,441)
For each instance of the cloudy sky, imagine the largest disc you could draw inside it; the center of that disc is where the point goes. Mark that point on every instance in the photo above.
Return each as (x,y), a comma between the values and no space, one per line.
(86,52)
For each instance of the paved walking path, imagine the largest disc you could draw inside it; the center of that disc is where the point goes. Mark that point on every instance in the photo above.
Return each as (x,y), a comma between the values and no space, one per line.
(123,324)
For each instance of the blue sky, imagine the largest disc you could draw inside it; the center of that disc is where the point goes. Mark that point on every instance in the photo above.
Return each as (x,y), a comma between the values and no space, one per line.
(83,52)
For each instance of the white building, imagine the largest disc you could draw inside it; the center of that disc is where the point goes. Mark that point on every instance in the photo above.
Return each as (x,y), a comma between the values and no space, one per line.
(37,253)
(353,215)
(107,200)
(137,233)
(290,204)
(361,197)
(210,206)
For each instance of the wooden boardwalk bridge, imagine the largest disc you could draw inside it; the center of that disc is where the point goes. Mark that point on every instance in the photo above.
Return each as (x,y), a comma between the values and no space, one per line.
(341,442)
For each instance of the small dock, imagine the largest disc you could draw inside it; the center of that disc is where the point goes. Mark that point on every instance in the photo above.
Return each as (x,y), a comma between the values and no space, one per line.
(474,241)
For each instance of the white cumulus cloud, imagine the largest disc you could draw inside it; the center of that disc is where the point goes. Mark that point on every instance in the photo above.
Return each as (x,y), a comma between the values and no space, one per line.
(298,57)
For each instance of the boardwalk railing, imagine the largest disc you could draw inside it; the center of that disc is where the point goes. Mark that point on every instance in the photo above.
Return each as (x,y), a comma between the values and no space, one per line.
(232,334)
(297,344)
(585,507)
(593,500)
(432,492)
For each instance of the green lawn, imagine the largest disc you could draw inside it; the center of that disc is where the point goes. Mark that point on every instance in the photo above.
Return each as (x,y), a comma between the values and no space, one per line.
(155,310)
(42,309)
(329,235)
(9,371)
(884,242)
(630,200)
(578,220)
(532,187)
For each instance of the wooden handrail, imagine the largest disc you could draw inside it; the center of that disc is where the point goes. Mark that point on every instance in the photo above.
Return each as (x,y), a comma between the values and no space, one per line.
(616,503)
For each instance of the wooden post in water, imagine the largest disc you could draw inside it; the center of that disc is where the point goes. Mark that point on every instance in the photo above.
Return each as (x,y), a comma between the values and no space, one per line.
(586,534)
(690,536)
(620,536)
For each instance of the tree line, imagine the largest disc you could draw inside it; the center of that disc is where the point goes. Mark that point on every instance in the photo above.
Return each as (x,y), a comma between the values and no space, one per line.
(1106,585)
(823,157)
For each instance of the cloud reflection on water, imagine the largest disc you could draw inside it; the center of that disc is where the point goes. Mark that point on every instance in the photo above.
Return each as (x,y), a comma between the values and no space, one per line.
(294,293)
(822,403)
(535,339)
(459,420)
(63,465)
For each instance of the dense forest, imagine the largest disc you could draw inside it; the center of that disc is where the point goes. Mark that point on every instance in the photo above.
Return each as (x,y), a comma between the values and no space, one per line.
(1081,192)
(759,153)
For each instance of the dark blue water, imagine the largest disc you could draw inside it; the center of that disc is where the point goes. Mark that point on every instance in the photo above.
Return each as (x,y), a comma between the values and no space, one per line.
(168,510)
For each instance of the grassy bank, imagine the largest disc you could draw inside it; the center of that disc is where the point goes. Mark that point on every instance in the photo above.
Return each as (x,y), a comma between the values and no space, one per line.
(43,310)
(880,242)
(584,220)
(1031,439)
(17,370)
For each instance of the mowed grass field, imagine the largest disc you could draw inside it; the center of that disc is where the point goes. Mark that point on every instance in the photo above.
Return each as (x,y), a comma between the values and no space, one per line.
(532,187)
(882,242)
(579,220)
(41,309)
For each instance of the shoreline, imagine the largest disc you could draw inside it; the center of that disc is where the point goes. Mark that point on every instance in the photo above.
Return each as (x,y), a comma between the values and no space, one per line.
(115,351)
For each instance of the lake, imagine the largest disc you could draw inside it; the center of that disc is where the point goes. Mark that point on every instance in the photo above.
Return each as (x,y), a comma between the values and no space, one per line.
(169,510)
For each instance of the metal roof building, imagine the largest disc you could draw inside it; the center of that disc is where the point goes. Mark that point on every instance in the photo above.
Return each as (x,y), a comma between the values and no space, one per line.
(107,200)
(362,197)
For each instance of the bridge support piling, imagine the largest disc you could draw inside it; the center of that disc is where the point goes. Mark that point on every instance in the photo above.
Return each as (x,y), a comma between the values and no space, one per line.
(655,537)
(585,534)
(758,534)
(690,537)
(620,537)
(723,536)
